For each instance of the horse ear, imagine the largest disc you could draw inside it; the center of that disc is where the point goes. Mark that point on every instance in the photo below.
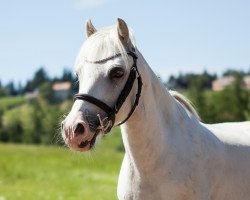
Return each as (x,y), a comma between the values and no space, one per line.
(90,29)
(123,31)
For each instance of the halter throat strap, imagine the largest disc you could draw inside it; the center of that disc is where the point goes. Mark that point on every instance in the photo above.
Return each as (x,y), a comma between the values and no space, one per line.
(111,112)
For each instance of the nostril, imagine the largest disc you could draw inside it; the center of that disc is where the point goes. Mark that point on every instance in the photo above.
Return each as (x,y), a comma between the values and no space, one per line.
(79,129)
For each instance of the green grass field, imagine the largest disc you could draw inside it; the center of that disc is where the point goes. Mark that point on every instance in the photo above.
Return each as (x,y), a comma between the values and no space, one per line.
(40,172)
(10,102)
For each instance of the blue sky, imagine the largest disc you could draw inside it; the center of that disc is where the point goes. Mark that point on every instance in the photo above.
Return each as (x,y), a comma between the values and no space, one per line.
(174,36)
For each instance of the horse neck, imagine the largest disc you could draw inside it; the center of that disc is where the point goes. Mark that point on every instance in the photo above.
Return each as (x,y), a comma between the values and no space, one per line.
(145,133)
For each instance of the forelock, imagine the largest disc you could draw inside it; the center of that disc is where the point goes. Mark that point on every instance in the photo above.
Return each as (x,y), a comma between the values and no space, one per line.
(104,43)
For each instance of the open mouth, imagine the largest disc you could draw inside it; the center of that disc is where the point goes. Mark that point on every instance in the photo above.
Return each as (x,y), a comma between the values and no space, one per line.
(91,143)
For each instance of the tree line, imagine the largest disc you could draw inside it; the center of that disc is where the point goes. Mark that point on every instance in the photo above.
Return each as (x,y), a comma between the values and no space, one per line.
(38,120)
(185,81)
(35,120)
(39,79)
(229,105)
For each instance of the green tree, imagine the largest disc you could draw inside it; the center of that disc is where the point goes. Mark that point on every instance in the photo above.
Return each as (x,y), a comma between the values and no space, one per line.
(12,129)
(51,125)
(3,92)
(231,103)
(15,131)
(3,135)
(46,92)
(40,77)
(247,113)
(28,123)
(37,115)
(240,98)
(10,87)
(197,95)
(67,75)
(46,121)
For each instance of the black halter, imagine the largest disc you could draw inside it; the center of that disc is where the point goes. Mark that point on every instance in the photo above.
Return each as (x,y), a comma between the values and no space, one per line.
(111,112)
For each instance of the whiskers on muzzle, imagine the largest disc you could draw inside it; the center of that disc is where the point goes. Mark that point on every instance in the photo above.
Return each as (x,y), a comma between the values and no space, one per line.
(105,124)
(97,123)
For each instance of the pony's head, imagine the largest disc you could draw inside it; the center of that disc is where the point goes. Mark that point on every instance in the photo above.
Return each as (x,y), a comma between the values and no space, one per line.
(106,69)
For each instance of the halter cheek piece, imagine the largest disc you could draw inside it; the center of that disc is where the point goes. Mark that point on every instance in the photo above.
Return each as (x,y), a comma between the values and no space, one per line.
(111,112)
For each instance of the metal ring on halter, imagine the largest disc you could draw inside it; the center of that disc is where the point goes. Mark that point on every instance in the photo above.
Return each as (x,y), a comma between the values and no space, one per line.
(111,112)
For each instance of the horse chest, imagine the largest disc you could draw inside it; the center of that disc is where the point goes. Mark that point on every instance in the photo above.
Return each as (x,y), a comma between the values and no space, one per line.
(133,187)
(130,184)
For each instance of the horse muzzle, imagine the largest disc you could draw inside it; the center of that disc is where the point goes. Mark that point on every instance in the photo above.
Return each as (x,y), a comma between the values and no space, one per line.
(80,134)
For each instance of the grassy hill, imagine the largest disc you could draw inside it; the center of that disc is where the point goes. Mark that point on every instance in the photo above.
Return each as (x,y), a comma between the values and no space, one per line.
(10,102)
(43,172)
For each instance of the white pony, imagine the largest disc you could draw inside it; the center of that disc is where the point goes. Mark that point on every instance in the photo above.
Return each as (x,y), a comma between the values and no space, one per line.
(169,153)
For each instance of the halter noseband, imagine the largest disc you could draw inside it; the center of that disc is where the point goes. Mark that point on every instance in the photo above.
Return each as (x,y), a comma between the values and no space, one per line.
(111,112)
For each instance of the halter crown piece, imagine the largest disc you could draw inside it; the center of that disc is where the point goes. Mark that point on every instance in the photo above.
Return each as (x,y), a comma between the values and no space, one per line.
(111,112)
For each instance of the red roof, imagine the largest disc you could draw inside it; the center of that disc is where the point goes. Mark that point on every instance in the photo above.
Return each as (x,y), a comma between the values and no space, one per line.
(61,86)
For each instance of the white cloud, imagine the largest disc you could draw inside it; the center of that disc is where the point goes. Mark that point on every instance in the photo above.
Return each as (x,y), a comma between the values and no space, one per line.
(82,4)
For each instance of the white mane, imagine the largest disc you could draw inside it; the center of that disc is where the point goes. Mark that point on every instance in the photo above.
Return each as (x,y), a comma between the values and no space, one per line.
(185,102)
(102,44)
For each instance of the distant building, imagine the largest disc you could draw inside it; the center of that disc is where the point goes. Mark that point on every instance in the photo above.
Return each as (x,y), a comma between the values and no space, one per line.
(62,90)
(31,95)
(246,82)
(221,83)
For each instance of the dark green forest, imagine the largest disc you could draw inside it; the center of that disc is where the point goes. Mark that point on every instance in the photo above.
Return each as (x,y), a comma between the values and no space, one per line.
(37,120)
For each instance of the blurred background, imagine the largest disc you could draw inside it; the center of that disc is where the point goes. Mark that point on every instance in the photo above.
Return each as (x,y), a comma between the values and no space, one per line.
(199,48)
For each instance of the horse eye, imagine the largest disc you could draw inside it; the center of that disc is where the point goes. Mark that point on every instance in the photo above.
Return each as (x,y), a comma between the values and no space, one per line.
(116,72)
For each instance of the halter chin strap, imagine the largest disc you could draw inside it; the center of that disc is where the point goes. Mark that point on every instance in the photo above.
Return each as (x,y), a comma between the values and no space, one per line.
(111,112)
